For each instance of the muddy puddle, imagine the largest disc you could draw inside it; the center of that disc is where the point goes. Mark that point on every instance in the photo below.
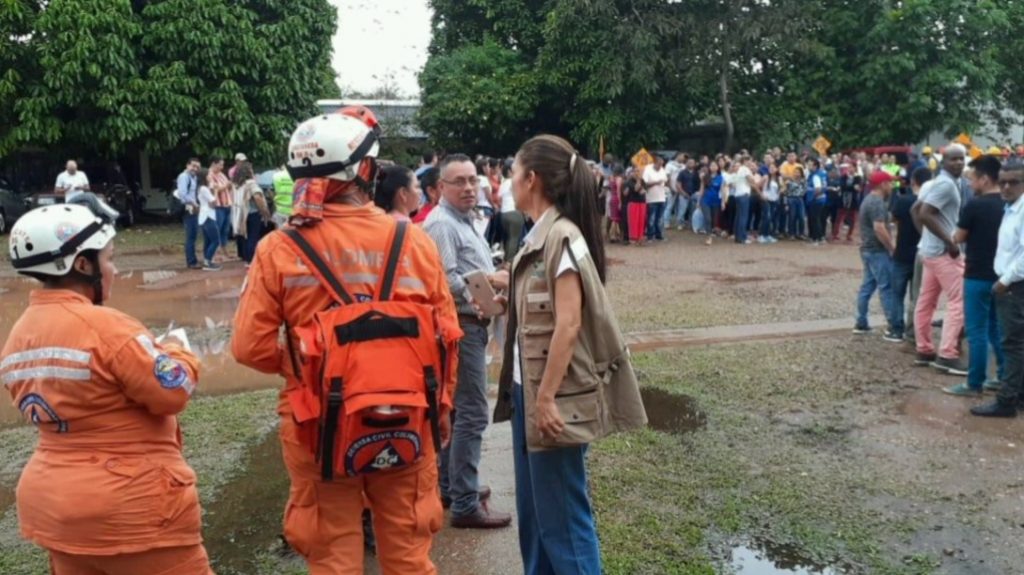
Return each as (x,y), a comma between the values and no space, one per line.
(246,517)
(201,302)
(763,558)
(670,412)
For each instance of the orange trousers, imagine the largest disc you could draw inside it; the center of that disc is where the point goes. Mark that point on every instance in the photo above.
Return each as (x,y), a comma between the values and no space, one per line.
(323,520)
(191,560)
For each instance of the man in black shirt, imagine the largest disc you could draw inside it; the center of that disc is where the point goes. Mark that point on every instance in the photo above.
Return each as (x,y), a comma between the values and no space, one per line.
(979,228)
(906,267)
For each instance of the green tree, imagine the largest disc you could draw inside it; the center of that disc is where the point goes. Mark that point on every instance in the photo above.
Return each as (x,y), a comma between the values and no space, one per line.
(478,98)
(115,76)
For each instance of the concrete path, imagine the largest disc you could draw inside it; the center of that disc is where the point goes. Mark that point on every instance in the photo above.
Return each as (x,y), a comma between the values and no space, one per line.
(671,338)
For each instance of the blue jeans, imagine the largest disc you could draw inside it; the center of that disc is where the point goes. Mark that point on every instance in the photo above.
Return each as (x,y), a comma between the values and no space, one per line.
(742,221)
(768,218)
(710,212)
(902,274)
(557,535)
(877,274)
(191,232)
(224,225)
(460,461)
(677,205)
(655,215)
(211,239)
(983,331)
(797,214)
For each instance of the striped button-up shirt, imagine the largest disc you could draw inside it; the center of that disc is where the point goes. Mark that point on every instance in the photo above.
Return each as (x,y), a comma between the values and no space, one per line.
(462,250)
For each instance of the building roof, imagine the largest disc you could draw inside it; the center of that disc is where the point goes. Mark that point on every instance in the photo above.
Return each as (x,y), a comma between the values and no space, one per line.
(397,117)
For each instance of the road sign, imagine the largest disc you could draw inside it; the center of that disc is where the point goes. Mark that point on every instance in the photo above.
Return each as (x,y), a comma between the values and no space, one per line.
(641,159)
(821,145)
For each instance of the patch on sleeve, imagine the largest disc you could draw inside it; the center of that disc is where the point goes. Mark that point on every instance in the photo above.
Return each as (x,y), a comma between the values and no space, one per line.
(170,373)
(579,248)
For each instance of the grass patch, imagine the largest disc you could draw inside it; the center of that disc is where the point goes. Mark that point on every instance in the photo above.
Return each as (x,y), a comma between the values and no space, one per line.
(676,504)
(151,238)
(218,432)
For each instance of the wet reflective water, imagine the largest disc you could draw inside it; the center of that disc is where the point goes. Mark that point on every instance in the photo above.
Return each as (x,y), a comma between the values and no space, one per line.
(202,303)
(773,559)
(246,517)
(670,412)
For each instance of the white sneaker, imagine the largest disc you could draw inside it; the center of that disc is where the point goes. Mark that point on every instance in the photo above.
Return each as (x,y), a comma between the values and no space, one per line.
(762,240)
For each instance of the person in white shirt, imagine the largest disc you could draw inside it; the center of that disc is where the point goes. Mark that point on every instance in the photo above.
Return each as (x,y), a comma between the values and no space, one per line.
(656,182)
(512,220)
(741,181)
(208,221)
(71,181)
(1009,293)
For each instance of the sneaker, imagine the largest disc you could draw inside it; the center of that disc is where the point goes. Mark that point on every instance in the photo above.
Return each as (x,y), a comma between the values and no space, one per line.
(748,241)
(211,267)
(861,330)
(962,390)
(937,323)
(992,385)
(893,336)
(679,228)
(195,267)
(950,366)
(994,408)
(762,240)
(924,359)
(773,240)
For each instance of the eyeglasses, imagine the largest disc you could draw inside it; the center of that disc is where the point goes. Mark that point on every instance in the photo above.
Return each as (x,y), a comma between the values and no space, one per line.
(1010,183)
(463,182)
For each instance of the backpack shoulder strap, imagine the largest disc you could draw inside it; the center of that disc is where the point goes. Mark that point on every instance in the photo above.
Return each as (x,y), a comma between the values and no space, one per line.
(391,268)
(316,263)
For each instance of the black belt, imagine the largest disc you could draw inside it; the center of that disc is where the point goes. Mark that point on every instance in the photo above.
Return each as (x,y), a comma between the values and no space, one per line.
(474,320)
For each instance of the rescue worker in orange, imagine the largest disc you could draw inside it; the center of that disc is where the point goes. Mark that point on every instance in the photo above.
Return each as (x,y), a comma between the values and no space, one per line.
(336,154)
(107,491)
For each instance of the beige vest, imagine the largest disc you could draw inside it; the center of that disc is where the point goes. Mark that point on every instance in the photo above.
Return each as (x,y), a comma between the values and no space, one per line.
(599,394)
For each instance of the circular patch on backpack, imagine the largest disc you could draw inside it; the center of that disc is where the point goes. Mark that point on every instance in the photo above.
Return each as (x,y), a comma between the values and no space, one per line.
(381,451)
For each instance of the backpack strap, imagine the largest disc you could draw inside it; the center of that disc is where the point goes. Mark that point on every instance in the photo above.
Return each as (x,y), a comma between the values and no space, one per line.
(315,262)
(391,268)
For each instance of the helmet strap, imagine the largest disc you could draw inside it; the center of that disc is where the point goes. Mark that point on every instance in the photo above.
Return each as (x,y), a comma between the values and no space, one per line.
(369,185)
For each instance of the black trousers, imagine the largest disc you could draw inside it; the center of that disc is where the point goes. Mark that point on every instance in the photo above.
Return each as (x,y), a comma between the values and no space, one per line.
(1010,308)
(816,221)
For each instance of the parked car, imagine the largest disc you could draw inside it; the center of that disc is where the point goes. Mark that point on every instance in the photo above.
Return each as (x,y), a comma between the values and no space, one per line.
(118,196)
(12,205)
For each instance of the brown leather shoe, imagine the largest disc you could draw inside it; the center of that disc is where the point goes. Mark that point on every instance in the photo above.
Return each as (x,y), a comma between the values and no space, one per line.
(483,495)
(483,518)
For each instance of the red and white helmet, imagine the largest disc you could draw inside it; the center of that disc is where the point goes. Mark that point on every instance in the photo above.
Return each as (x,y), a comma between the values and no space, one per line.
(47,240)
(341,146)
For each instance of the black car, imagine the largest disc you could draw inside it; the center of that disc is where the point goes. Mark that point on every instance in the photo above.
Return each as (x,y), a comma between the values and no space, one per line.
(13,204)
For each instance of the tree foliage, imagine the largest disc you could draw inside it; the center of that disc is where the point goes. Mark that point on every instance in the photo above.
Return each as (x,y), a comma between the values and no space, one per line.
(114,76)
(478,97)
(864,72)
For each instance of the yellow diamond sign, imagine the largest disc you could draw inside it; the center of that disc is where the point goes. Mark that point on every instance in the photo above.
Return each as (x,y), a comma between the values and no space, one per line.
(822,145)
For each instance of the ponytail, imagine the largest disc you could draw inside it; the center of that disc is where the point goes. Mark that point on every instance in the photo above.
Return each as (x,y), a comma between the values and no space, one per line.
(570,186)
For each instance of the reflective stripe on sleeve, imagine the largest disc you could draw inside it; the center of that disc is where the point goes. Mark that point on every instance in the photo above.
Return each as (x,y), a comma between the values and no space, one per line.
(61,353)
(47,372)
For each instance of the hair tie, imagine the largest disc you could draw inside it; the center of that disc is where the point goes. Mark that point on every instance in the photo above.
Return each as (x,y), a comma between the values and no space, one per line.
(572,162)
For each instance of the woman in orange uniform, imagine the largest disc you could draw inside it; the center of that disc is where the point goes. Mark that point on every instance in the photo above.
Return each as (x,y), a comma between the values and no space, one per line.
(107,491)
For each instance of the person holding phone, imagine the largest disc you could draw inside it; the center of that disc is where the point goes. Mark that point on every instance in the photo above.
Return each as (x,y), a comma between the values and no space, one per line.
(567,367)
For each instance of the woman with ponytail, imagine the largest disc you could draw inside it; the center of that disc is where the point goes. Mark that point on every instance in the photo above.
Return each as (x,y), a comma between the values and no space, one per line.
(567,379)
(398,192)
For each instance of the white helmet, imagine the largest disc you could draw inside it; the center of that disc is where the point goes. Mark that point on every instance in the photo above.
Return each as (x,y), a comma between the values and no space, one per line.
(334,146)
(46,240)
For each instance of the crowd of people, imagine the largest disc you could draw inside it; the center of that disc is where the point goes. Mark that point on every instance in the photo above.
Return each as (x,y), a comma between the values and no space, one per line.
(784,196)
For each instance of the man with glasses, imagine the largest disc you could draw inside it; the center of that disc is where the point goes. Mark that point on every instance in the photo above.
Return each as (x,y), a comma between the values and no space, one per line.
(463,251)
(1009,293)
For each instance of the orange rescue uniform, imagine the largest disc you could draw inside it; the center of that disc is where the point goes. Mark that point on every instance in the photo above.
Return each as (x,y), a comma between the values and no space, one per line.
(107,488)
(323,520)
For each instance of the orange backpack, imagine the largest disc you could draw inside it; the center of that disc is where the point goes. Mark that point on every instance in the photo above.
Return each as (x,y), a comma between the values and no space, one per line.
(371,374)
